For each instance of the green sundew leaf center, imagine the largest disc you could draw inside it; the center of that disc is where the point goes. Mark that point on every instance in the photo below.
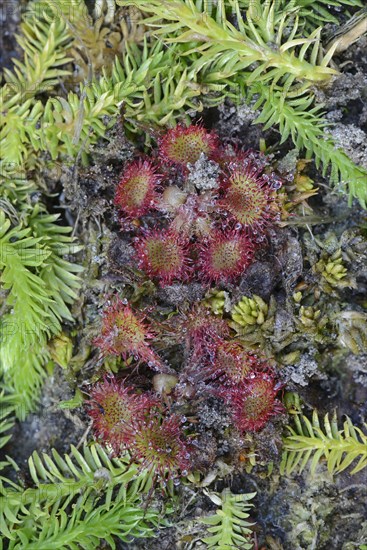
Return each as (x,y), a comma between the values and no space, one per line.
(259,401)
(130,332)
(136,190)
(115,411)
(164,257)
(225,256)
(246,204)
(187,148)
(234,362)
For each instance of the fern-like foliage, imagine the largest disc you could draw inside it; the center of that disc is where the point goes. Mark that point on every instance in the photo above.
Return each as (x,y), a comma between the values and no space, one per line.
(15,188)
(148,84)
(77,500)
(210,32)
(310,12)
(310,442)
(8,405)
(18,127)
(38,284)
(320,12)
(44,45)
(229,526)
(58,274)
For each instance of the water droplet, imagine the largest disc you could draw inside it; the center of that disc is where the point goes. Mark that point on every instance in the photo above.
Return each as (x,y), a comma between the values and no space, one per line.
(276,184)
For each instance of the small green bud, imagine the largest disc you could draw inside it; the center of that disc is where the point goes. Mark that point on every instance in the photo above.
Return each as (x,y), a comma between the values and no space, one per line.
(332,270)
(216,301)
(260,318)
(250,311)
